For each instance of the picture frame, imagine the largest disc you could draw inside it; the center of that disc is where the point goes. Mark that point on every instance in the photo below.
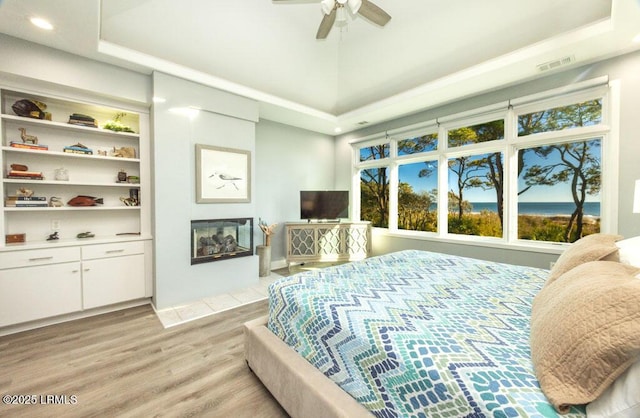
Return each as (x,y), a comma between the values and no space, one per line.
(223,175)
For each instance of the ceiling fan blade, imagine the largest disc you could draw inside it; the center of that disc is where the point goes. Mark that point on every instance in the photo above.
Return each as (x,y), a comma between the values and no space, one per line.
(374,13)
(326,25)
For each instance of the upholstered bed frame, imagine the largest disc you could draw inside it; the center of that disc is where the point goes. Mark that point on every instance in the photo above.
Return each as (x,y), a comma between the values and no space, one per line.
(302,390)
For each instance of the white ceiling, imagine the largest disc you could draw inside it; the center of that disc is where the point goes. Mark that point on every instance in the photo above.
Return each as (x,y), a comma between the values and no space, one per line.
(431,52)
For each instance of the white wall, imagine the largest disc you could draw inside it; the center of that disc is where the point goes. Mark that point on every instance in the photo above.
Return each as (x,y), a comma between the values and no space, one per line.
(43,65)
(288,160)
(626,69)
(227,121)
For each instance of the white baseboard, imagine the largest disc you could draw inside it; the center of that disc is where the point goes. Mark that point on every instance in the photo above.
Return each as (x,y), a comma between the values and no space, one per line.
(26,326)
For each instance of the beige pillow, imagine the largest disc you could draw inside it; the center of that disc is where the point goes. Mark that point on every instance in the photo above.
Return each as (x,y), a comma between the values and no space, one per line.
(585,331)
(590,248)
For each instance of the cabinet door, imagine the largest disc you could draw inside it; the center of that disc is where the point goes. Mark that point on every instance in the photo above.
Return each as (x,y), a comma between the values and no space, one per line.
(112,280)
(31,293)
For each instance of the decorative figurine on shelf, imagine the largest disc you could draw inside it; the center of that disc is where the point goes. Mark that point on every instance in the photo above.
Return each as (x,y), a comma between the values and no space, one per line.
(55,202)
(31,109)
(24,192)
(85,235)
(53,236)
(267,230)
(61,174)
(27,139)
(82,200)
(122,176)
(129,201)
(124,152)
(19,167)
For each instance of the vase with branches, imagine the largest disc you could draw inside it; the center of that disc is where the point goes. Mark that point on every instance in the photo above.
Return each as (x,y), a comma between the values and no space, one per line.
(267,230)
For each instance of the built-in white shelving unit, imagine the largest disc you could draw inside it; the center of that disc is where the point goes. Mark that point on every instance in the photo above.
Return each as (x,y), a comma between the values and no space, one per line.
(112,266)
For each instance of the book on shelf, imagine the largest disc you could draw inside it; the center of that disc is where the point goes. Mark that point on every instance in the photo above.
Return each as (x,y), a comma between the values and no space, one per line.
(23,145)
(26,198)
(25,175)
(26,203)
(78,150)
(82,120)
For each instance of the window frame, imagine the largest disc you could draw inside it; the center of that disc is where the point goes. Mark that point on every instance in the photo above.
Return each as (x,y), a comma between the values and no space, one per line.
(606,130)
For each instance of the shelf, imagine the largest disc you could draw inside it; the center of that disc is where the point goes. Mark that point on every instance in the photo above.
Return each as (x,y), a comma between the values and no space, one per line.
(87,174)
(70,242)
(68,155)
(77,128)
(72,183)
(70,208)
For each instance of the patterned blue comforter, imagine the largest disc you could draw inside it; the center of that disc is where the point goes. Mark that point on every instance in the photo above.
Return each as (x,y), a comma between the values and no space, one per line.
(418,334)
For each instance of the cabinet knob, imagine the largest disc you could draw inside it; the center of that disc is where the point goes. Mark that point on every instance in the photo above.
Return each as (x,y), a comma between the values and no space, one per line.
(114,251)
(87,269)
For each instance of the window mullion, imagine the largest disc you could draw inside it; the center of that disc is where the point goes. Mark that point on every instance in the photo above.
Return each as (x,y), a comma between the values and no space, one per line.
(393,187)
(510,193)
(443,183)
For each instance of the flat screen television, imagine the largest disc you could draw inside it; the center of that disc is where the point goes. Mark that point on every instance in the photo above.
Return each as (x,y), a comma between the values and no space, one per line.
(315,204)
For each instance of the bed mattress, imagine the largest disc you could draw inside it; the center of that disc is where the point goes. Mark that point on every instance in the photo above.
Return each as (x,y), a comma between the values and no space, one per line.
(418,334)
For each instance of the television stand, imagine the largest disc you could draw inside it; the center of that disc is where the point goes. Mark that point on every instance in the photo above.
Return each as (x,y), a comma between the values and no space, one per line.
(327,241)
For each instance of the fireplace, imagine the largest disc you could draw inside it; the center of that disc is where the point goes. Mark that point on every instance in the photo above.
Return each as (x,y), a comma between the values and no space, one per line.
(221,239)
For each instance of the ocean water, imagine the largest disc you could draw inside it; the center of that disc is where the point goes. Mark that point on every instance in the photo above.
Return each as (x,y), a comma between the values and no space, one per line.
(542,208)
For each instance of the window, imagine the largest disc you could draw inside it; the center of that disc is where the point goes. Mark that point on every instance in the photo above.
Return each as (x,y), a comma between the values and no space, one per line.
(530,172)
(423,143)
(559,183)
(417,196)
(475,195)
(374,152)
(374,196)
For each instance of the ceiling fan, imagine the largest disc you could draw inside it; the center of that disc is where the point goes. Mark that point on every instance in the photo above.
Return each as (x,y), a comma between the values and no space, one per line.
(335,13)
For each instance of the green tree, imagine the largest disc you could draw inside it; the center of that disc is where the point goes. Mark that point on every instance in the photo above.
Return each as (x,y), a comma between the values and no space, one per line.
(579,165)
(414,209)
(486,172)
(418,144)
(374,196)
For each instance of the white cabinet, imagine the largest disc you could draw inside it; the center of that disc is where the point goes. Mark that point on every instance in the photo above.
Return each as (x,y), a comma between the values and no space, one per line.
(43,283)
(34,286)
(93,174)
(112,273)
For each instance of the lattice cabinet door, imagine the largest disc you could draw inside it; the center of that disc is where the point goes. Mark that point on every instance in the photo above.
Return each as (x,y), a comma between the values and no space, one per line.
(329,241)
(301,242)
(357,240)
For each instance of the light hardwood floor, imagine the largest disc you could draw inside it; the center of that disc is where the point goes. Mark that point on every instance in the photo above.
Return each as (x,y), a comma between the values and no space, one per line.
(126,364)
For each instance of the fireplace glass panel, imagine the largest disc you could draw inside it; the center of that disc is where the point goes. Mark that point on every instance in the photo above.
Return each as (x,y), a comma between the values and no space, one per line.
(220,239)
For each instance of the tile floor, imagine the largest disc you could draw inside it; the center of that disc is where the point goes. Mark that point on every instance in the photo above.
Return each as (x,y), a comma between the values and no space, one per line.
(177,315)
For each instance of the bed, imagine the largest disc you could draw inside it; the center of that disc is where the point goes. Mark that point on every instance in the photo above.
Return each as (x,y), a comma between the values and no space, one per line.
(407,334)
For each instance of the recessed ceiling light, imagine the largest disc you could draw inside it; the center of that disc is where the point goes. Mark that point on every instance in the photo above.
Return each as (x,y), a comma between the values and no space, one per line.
(41,23)
(636,38)
(337,130)
(157,99)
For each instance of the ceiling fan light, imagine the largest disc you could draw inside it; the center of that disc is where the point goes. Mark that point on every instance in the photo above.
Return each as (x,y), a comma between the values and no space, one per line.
(354,5)
(341,17)
(327,6)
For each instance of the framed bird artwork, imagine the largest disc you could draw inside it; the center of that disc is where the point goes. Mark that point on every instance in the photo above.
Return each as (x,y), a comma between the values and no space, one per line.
(223,175)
